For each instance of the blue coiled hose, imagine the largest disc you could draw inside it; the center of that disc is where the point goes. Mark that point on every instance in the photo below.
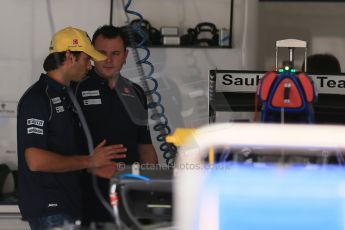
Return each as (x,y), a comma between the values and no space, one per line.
(154,98)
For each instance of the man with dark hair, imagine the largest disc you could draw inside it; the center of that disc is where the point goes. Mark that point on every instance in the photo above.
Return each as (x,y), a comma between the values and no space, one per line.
(48,134)
(330,107)
(116,110)
(323,63)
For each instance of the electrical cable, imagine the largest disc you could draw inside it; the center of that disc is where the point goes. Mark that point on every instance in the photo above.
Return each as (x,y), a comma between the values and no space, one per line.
(231,22)
(153,96)
(111,12)
(133,176)
(245,34)
(83,124)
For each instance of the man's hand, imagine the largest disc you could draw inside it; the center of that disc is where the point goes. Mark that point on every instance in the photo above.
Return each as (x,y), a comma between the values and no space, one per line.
(103,155)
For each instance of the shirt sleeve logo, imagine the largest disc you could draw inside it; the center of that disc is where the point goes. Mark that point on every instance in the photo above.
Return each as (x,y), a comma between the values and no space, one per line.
(35,130)
(90,93)
(127,92)
(33,121)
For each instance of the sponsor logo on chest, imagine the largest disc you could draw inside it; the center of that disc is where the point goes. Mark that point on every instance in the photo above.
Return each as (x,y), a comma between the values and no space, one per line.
(59,109)
(90,93)
(96,101)
(56,100)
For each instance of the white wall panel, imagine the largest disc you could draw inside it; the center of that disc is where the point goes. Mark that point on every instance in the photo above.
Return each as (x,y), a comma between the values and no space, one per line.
(15,47)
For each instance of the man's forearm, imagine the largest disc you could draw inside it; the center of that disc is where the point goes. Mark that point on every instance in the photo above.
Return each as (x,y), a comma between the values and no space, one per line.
(147,154)
(47,161)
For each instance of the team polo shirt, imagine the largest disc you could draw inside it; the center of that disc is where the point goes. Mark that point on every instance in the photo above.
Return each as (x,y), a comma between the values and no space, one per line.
(118,115)
(46,120)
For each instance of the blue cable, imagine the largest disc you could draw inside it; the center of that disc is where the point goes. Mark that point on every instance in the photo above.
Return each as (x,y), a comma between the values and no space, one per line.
(133,176)
(154,98)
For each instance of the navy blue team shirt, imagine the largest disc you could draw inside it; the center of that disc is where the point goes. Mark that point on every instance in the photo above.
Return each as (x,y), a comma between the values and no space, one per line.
(46,120)
(118,115)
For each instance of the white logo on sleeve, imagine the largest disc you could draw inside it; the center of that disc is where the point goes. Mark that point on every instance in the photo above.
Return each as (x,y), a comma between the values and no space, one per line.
(56,100)
(33,121)
(96,101)
(59,109)
(35,130)
(91,93)
(52,205)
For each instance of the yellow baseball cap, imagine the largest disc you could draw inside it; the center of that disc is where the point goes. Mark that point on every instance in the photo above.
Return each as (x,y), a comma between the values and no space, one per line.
(74,39)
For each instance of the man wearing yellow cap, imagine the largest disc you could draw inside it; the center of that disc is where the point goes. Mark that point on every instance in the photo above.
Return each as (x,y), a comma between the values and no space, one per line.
(49,159)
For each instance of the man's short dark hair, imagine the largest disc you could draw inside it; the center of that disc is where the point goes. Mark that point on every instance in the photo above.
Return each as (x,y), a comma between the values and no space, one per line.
(54,60)
(323,64)
(110,31)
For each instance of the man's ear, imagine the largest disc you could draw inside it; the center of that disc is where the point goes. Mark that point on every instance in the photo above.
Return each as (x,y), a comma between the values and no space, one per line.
(70,58)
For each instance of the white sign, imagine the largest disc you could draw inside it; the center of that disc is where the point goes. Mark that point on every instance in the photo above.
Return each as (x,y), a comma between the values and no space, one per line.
(242,81)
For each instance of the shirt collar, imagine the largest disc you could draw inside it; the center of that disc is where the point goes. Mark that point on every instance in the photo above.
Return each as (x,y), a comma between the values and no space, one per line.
(53,84)
(92,73)
(96,77)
